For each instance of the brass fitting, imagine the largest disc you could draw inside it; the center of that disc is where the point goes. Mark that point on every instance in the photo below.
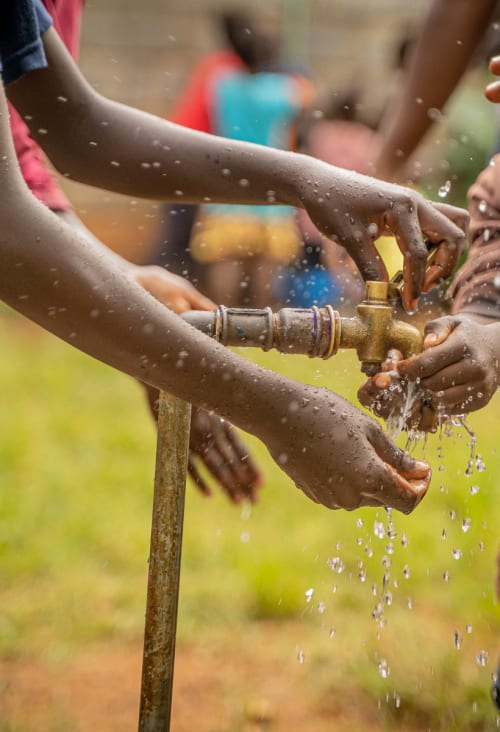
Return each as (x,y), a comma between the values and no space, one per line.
(374,331)
(317,332)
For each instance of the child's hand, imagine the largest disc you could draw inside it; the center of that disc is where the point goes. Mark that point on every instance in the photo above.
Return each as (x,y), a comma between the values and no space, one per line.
(215,443)
(386,395)
(339,456)
(175,292)
(457,373)
(459,367)
(355,210)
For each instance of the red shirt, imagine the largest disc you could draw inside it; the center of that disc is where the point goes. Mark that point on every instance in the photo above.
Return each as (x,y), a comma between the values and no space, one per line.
(66,16)
(193,108)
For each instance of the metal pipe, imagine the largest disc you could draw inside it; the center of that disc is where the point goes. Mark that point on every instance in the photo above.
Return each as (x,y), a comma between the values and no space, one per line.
(317,332)
(174,417)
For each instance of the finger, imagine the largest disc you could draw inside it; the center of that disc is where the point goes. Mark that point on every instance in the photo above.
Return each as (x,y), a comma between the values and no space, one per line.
(450,240)
(437,331)
(404,480)
(177,304)
(197,479)
(429,420)
(492,92)
(393,358)
(459,216)
(459,399)
(250,477)
(461,374)
(222,473)
(393,490)
(432,360)
(310,493)
(494,65)
(360,245)
(245,478)
(405,227)
(196,300)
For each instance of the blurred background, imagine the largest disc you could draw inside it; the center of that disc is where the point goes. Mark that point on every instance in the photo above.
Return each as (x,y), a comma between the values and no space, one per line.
(291,617)
(144,55)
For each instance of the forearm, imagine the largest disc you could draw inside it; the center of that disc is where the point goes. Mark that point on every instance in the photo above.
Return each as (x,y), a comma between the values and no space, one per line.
(84,294)
(106,144)
(443,49)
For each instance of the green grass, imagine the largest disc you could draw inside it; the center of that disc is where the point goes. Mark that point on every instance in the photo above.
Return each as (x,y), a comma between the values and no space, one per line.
(77,458)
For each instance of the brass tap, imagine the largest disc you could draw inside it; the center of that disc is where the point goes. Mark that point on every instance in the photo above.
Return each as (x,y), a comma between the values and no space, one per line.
(317,332)
(374,330)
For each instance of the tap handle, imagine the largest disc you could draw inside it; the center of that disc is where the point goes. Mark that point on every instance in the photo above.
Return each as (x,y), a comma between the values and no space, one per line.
(396,283)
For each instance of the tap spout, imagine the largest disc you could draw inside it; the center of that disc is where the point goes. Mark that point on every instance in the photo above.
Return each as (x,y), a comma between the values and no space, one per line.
(316,332)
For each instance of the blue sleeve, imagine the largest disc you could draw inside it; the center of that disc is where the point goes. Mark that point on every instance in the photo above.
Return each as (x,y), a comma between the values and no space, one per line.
(22,23)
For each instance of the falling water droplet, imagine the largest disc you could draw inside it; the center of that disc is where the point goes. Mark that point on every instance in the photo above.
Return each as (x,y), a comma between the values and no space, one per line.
(466,524)
(444,189)
(309,594)
(482,658)
(383,668)
(456,553)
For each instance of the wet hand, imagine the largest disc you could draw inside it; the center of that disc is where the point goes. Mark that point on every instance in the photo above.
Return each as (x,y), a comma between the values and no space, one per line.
(340,457)
(459,367)
(355,210)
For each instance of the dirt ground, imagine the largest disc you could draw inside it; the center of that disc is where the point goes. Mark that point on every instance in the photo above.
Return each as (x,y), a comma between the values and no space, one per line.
(98,691)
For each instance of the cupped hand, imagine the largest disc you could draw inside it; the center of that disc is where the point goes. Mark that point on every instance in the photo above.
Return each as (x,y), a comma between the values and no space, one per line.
(341,457)
(458,368)
(456,373)
(355,210)
(387,396)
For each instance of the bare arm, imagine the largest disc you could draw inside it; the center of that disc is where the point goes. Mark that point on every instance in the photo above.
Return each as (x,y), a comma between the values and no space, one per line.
(443,49)
(81,293)
(102,143)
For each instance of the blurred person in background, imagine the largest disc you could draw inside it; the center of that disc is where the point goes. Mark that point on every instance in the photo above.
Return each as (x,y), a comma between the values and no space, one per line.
(240,248)
(324,274)
(241,92)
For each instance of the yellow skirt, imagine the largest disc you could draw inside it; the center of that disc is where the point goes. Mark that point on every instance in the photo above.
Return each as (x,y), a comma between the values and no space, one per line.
(221,237)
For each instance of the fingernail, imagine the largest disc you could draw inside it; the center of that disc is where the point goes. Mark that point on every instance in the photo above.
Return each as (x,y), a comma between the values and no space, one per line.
(421,468)
(430,339)
(413,307)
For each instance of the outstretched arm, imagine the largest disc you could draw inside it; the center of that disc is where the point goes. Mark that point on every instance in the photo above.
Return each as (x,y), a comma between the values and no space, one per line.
(81,293)
(100,142)
(443,48)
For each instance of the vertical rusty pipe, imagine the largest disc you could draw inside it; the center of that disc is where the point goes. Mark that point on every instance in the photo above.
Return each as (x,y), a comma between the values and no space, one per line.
(164,564)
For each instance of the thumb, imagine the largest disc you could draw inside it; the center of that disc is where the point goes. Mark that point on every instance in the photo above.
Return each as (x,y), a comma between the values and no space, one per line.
(409,477)
(437,331)
(398,459)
